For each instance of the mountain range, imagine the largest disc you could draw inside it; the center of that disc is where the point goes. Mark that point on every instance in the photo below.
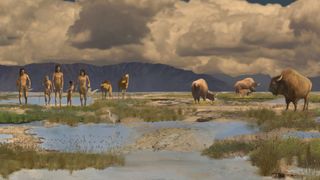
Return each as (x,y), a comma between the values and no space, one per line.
(144,77)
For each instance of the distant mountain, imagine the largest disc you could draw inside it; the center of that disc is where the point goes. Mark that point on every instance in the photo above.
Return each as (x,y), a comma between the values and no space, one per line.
(143,76)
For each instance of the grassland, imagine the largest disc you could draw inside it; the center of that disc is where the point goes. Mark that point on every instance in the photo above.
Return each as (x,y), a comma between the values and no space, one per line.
(98,112)
(15,159)
(254,97)
(268,119)
(268,154)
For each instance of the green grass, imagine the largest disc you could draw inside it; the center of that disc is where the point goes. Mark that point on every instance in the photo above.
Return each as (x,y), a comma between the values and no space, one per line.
(268,120)
(253,97)
(226,148)
(17,158)
(138,109)
(7,96)
(267,154)
(314,98)
(95,113)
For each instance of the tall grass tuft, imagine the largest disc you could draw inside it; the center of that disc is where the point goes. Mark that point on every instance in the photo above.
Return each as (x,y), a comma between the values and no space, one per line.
(17,158)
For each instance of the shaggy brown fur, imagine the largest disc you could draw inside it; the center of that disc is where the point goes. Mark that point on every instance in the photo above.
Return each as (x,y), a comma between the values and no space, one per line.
(245,86)
(199,89)
(293,86)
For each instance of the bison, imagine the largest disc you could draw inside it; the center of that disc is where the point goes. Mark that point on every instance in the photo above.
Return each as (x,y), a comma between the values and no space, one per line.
(245,86)
(199,89)
(293,86)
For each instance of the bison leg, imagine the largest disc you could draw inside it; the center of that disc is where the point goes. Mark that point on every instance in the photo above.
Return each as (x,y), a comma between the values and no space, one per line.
(288,103)
(295,103)
(306,103)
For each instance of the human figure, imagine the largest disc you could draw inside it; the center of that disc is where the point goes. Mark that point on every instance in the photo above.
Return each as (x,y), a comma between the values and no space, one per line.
(84,84)
(123,85)
(23,85)
(58,84)
(70,91)
(47,84)
(106,87)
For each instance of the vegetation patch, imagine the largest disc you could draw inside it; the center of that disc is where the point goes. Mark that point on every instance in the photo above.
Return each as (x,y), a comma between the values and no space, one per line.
(267,154)
(268,120)
(253,97)
(17,158)
(97,112)
(140,109)
(314,98)
(227,148)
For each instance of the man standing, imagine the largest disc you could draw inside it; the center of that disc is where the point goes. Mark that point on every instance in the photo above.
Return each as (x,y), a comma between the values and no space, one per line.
(22,86)
(84,84)
(58,84)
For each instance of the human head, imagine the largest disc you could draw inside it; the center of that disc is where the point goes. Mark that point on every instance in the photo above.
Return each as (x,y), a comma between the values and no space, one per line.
(71,83)
(21,71)
(58,68)
(82,72)
(46,78)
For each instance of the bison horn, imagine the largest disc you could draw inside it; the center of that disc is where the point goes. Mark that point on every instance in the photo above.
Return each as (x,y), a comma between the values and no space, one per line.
(280,78)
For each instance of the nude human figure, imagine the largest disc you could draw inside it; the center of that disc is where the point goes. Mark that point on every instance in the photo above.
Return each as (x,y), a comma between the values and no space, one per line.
(123,85)
(57,84)
(70,91)
(47,84)
(84,84)
(23,85)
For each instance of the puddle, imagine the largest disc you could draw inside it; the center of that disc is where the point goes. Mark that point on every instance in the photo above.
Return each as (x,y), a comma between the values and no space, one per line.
(105,137)
(207,132)
(145,165)
(39,100)
(5,137)
(83,138)
(302,135)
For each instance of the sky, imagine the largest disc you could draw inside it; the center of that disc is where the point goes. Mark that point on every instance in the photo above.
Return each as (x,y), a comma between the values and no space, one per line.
(206,36)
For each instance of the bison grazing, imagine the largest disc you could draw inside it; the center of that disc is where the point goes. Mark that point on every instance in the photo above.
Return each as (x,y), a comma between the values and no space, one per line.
(245,86)
(293,86)
(199,89)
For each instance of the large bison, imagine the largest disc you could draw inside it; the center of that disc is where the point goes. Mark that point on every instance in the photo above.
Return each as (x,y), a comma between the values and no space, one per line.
(199,89)
(245,86)
(293,86)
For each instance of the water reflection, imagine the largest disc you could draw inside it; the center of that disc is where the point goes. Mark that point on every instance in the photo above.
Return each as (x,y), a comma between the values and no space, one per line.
(39,100)
(146,165)
(84,138)
(16,159)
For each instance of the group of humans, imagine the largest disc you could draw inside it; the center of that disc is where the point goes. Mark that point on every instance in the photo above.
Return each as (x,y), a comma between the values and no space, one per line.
(24,85)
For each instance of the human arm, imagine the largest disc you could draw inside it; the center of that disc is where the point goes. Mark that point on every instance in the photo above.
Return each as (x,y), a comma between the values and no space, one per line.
(89,84)
(29,82)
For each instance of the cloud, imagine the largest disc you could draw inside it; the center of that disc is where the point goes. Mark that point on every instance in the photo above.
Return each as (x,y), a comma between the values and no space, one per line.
(114,23)
(206,36)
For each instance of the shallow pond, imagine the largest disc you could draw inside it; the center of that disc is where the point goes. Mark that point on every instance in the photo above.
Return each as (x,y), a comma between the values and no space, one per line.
(106,137)
(145,165)
(5,137)
(39,100)
(83,138)
(141,164)
(302,135)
